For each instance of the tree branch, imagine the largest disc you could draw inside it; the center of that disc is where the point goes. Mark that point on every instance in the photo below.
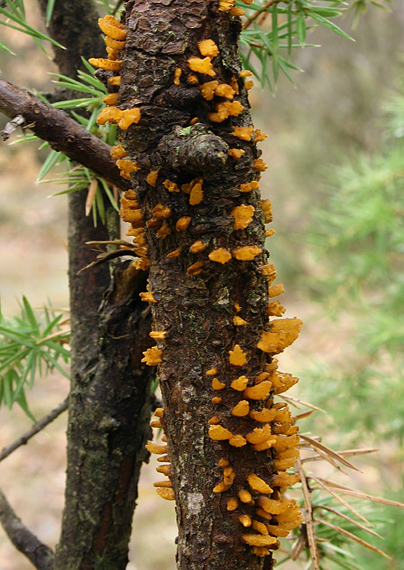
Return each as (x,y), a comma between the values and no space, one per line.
(36,428)
(27,543)
(258,13)
(61,132)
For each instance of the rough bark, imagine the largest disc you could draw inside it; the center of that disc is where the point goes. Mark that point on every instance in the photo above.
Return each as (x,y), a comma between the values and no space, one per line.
(109,405)
(109,409)
(60,131)
(198,280)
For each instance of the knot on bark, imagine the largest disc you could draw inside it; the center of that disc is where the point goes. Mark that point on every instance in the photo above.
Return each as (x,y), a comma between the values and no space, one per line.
(194,148)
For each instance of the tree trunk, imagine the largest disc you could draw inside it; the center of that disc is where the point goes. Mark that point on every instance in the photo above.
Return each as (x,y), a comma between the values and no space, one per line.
(109,408)
(194,149)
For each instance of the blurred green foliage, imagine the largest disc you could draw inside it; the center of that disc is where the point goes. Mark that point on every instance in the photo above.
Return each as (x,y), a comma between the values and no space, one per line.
(31,345)
(358,240)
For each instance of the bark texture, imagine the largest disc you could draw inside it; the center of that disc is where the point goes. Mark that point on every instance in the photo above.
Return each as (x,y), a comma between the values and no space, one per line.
(109,405)
(109,408)
(207,286)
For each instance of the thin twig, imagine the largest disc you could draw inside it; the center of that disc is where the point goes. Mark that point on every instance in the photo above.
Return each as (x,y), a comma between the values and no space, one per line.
(258,13)
(36,428)
(345,490)
(117,6)
(110,242)
(324,484)
(311,538)
(40,555)
(352,521)
(346,453)
(320,447)
(293,400)
(353,537)
(302,416)
(326,457)
(107,256)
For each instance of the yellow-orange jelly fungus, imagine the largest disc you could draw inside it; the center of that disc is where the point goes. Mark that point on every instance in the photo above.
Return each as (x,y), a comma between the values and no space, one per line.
(220,255)
(152,356)
(183,223)
(203,66)
(114,44)
(111,99)
(107,64)
(123,118)
(243,216)
(260,165)
(225,110)
(163,488)
(171,186)
(118,152)
(226,5)
(236,153)
(237,12)
(208,48)
(277,516)
(112,28)
(249,186)
(197,247)
(151,178)
(283,332)
(246,253)
(196,192)
(238,321)
(237,356)
(177,75)
(243,133)
(225,90)
(115,80)
(208,89)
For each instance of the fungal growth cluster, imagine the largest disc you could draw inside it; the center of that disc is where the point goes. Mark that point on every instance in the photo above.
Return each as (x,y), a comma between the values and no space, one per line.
(198,222)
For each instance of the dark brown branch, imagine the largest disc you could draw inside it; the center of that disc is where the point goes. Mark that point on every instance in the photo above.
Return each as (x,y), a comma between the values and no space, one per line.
(61,132)
(27,543)
(36,428)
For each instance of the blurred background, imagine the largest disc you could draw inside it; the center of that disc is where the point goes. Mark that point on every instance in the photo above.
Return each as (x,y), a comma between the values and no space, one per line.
(336,181)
